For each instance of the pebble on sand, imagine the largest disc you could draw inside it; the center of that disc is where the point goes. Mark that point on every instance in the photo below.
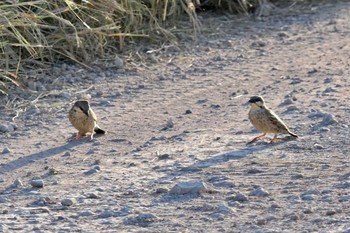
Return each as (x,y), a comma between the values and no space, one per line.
(68,201)
(37,183)
(188,188)
(6,150)
(259,192)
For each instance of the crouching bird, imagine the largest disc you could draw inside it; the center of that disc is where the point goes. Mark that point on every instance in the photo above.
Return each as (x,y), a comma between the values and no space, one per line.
(265,120)
(84,119)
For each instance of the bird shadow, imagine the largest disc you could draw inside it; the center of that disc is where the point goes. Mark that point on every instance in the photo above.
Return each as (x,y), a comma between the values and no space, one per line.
(215,160)
(25,160)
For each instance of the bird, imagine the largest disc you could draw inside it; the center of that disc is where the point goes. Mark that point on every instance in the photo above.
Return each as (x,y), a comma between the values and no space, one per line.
(84,119)
(265,120)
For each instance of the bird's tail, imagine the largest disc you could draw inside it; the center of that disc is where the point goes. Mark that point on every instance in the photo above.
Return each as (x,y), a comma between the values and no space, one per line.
(293,134)
(98,130)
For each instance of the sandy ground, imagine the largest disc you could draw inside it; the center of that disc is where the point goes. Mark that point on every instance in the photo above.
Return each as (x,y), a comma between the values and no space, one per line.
(180,119)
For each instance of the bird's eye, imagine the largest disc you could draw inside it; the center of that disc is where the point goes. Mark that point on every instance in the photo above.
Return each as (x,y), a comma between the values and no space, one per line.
(74,110)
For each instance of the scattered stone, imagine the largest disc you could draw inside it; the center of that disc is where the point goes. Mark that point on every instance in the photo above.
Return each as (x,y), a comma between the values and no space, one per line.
(292,108)
(309,197)
(164,156)
(307,211)
(162,190)
(259,192)
(318,146)
(86,213)
(105,103)
(37,183)
(67,154)
(6,150)
(17,183)
(240,197)
(292,216)
(328,80)
(261,222)
(311,191)
(330,212)
(215,106)
(287,102)
(188,188)
(343,185)
(143,219)
(188,111)
(6,127)
(254,171)
(68,201)
(259,43)
(93,196)
(329,89)
(202,101)
(328,118)
(91,171)
(106,214)
(224,183)
(297,176)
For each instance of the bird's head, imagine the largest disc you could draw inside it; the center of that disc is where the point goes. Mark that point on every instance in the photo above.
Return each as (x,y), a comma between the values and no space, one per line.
(82,107)
(257,101)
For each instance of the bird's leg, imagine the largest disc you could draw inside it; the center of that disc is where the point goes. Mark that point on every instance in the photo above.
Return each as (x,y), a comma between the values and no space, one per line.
(77,136)
(257,138)
(273,139)
(92,136)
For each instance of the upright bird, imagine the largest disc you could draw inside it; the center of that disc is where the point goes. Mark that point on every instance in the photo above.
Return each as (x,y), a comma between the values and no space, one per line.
(265,120)
(84,119)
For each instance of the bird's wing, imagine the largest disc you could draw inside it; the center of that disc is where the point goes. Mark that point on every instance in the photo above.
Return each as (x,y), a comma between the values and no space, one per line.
(93,115)
(275,120)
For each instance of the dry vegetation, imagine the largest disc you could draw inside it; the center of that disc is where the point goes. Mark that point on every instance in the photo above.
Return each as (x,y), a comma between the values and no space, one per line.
(35,33)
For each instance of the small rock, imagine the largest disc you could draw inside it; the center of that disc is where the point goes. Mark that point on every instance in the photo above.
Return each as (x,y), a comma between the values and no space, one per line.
(215,106)
(330,212)
(67,154)
(93,196)
(259,192)
(68,201)
(292,216)
(287,102)
(106,214)
(188,188)
(18,183)
(328,80)
(37,183)
(311,191)
(170,123)
(261,222)
(297,176)
(292,108)
(309,197)
(329,89)
(105,103)
(162,190)
(86,213)
(259,43)
(343,185)
(240,197)
(188,111)
(65,95)
(91,171)
(6,127)
(318,146)
(6,150)
(145,217)
(307,211)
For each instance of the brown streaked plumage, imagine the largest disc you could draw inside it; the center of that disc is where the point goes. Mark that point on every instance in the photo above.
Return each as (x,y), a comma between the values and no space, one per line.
(265,120)
(84,119)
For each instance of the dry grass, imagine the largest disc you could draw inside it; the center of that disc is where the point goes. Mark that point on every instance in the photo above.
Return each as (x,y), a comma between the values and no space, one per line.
(37,33)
